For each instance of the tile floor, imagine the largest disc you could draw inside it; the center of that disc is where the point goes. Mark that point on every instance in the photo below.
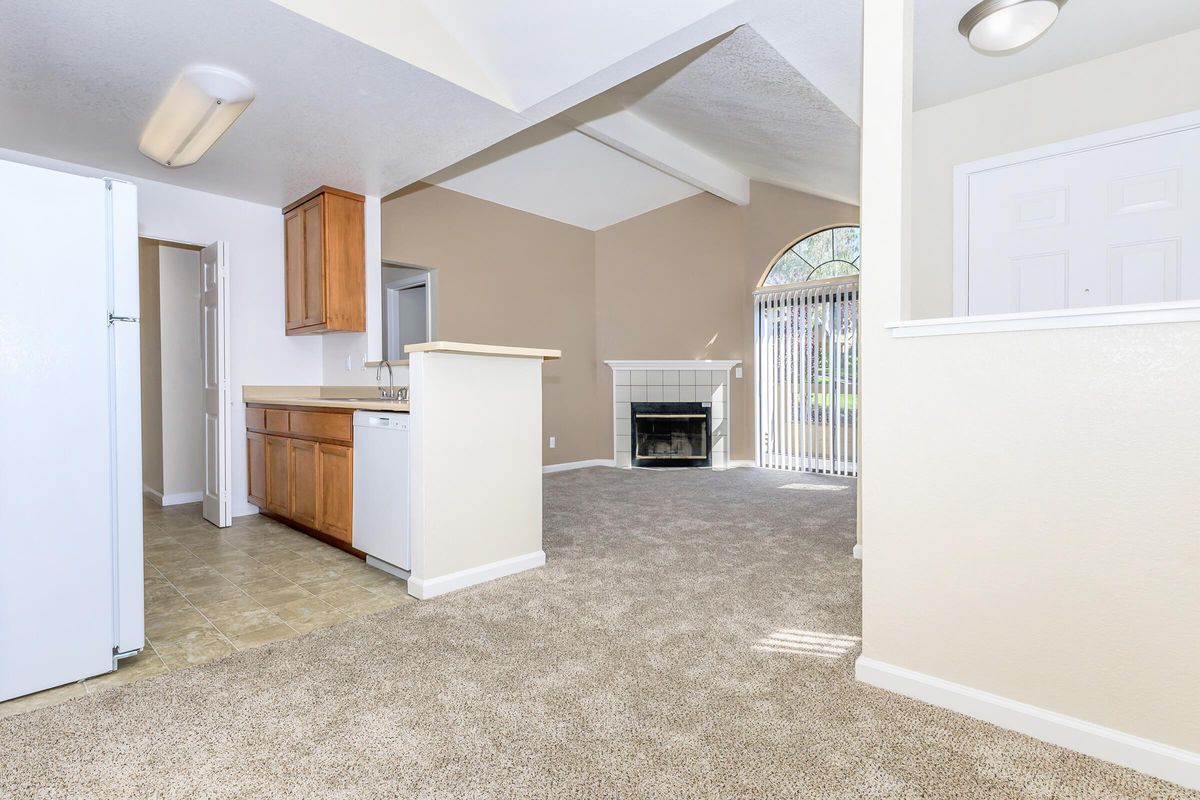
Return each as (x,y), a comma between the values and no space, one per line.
(211,592)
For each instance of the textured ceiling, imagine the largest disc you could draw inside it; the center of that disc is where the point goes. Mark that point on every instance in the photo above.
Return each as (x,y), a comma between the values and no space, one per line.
(823,41)
(552,171)
(946,68)
(742,102)
(79,84)
(372,114)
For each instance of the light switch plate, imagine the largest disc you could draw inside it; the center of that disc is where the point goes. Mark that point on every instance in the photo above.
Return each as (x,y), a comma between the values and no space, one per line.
(737,372)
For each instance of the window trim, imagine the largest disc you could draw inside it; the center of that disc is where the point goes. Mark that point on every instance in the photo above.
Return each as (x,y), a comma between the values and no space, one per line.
(779,254)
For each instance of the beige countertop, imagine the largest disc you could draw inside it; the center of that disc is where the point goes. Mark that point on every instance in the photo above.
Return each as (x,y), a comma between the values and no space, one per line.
(356,397)
(482,350)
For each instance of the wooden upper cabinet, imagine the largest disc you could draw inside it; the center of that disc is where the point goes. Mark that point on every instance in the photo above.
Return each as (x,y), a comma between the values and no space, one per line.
(325,262)
(293,248)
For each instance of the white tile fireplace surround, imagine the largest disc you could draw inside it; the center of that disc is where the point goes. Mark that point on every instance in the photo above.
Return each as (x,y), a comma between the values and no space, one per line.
(671,382)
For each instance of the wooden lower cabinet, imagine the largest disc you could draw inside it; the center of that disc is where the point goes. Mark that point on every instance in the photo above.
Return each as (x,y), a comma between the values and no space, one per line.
(301,469)
(279,489)
(256,474)
(337,491)
(305,480)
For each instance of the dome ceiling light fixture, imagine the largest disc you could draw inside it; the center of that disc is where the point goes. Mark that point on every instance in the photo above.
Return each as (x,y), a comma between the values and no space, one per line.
(999,27)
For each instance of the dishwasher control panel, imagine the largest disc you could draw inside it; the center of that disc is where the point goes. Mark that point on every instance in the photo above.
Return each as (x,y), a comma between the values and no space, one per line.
(371,419)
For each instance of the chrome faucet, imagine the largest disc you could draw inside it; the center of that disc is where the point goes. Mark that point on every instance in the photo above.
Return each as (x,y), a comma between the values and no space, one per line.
(390,392)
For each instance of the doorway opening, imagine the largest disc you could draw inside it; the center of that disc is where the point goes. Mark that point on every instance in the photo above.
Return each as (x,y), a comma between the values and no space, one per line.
(408,303)
(806,355)
(184,376)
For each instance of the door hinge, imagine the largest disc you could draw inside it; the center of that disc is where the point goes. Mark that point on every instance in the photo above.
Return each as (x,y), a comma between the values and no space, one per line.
(115,318)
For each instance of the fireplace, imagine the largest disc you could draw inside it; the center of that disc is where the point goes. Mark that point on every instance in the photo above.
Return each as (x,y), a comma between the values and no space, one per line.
(671,434)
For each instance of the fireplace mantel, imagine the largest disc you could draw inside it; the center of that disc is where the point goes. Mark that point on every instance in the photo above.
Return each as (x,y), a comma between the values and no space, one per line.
(701,381)
(693,364)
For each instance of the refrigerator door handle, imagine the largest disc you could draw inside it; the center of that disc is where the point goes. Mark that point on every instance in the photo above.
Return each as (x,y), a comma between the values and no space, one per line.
(115,318)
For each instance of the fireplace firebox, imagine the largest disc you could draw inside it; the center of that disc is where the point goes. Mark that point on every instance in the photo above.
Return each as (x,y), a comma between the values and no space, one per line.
(671,434)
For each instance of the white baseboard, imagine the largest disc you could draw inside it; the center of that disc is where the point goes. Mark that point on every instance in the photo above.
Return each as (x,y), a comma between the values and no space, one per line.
(172,499)
(857,552)
(245,510)
(593,462)
(181,498)
(425,588)
(1153,758)
(741,463)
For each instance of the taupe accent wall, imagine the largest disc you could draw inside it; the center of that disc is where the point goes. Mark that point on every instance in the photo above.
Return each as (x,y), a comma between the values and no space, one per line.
(677,282)
(673,283)
(508,277)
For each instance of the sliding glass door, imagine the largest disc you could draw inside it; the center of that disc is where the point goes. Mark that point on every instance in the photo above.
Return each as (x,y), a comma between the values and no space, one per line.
(806,367)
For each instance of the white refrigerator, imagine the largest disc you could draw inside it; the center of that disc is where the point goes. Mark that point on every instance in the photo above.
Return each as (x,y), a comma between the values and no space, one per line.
(71,599)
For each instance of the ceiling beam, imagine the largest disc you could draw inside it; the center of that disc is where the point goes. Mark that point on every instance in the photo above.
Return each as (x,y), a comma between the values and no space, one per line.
(623,130)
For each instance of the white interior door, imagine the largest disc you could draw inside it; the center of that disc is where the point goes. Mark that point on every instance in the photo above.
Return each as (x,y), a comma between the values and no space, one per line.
(214,347)
(1096,226)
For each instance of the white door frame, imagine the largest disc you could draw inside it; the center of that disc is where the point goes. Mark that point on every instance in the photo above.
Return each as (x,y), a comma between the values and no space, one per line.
(218,416)
(391,295)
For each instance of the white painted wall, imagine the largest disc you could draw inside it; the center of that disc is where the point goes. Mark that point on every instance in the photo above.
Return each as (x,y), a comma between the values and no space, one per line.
(260,352)
(1028,499)
(182,376)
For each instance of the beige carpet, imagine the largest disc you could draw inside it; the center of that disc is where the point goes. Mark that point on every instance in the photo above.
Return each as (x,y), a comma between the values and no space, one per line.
(655,656)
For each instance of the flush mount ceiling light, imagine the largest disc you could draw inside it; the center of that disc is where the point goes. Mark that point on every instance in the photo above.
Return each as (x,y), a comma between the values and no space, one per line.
(200,107)
(1002,26)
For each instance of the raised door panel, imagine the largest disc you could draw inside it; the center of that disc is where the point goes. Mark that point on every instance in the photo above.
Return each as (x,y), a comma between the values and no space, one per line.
(256,468)
(314,262)
(278,479)
(294,254)
(335,509)
(304,482)
(1087,226)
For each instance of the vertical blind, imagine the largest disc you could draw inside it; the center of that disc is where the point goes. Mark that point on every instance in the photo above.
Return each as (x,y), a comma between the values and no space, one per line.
(806,368)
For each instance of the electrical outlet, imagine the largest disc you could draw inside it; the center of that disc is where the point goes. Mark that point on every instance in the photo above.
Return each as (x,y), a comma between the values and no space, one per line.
(348,366)
(551,442)
(364,362)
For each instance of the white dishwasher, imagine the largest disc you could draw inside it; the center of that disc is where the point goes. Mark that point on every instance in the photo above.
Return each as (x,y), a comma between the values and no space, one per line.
(381,490)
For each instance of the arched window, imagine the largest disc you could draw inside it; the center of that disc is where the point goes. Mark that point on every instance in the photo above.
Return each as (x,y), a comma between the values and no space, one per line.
(831,253)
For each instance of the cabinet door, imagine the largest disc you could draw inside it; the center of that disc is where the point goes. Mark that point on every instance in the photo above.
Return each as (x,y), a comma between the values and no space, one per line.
(337,491)
(303,463)
(256,468)
(278,481)
(314,262)
(293,245)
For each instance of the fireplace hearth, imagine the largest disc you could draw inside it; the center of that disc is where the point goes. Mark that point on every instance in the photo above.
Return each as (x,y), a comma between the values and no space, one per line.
(671,434)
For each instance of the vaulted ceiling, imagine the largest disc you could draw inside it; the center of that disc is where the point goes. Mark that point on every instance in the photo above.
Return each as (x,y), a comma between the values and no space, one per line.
(589,111)
(376,94)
